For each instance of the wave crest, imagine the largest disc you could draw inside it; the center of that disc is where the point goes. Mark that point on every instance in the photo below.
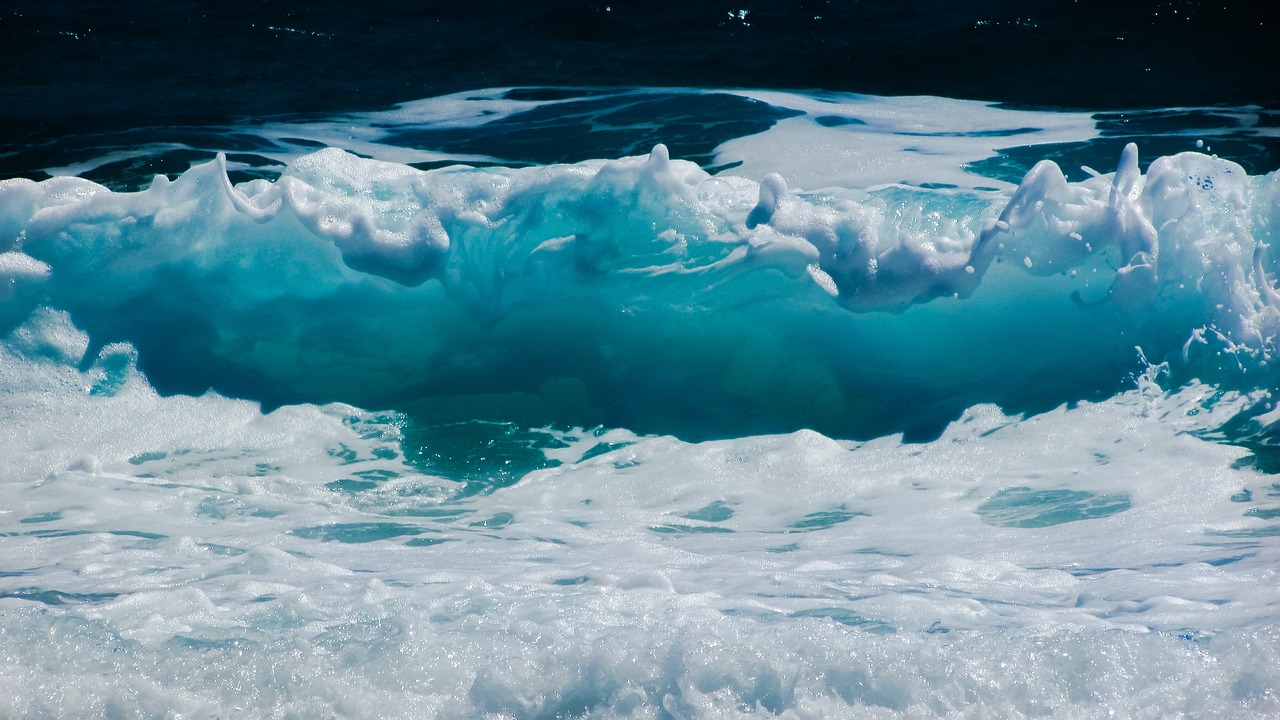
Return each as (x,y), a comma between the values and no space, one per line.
(646,292)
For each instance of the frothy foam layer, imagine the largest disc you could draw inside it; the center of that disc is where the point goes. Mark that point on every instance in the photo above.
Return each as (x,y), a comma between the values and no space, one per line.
(191,555)
(644,292)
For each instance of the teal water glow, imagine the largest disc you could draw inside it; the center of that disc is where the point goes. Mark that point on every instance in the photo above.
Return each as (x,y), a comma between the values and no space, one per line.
(1026,508)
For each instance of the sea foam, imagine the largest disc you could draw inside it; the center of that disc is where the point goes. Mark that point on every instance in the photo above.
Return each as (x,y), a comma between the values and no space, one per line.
(194,556)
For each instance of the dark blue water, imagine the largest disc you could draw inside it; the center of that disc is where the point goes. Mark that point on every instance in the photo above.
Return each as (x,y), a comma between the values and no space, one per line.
(72,68)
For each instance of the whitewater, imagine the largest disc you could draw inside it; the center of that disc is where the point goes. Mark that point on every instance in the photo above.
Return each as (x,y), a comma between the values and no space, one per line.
(645,403)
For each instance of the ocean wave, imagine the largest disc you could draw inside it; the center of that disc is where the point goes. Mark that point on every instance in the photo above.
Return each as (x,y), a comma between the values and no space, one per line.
(645,292)
(1042,482)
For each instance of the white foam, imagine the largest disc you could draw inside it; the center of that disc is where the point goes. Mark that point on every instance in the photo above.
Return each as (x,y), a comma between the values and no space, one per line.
(203,566)
(912,140)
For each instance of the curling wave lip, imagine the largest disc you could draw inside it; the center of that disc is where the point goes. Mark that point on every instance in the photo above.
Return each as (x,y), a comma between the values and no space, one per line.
(735,306)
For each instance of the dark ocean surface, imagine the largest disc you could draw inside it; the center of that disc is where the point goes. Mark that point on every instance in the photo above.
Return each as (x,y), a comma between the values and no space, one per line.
(77,67)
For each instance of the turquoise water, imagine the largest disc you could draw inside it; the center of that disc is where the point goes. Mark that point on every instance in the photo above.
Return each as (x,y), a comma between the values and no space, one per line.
(858,409)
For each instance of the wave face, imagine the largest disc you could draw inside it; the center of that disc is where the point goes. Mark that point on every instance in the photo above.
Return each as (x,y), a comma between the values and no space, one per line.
(546,402)
(647,293)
